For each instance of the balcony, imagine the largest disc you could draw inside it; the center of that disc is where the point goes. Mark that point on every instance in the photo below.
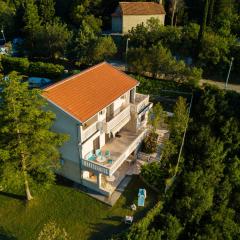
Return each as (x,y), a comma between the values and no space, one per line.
(141,103)
(89,131)
(118,121)
(120,148)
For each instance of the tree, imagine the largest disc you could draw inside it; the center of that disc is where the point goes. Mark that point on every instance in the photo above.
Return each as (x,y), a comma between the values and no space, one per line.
(178,122)
(52,39)
(156,116)
(28,149)
(104,47)
(204,21)
(32,24)
(176,6)
(7,14)
(89,46)
(51,231)
(47,10)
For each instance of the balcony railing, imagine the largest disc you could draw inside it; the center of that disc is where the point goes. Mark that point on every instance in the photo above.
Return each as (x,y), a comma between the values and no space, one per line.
(141,101)
(95,166)
(121,117)
(88,132)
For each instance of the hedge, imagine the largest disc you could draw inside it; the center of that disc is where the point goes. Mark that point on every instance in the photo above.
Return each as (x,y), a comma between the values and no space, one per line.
(20,65)
(34,69)
(48,70)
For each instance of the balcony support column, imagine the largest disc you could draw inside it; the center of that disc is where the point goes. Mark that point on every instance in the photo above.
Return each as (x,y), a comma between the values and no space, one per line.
(99,180)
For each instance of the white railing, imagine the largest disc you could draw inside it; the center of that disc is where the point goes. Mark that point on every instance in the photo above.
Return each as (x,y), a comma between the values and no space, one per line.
(141,101)
(124,114)
(89,131)
(95,166)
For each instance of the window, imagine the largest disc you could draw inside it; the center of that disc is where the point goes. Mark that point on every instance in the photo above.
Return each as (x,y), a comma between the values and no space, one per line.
(142,117)
(101,112)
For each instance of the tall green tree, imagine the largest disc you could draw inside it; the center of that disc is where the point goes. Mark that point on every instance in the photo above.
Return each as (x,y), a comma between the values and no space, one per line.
(47,10)
(203,21)
(32,24)
(28,149)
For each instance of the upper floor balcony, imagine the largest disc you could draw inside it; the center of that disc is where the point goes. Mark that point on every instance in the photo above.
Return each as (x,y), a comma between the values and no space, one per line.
(89,128)
(117,121)
(119,148)
(141,102)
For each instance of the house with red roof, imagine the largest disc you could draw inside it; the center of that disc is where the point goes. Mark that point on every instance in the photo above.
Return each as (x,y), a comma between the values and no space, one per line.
(106,121)
(129,14)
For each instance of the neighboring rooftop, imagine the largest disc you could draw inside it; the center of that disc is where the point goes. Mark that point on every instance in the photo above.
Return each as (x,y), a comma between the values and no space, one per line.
(139,8)
(86,93)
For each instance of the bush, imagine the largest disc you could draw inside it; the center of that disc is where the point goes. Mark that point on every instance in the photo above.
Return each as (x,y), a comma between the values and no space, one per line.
(20,65)
(150,143)
(48,70)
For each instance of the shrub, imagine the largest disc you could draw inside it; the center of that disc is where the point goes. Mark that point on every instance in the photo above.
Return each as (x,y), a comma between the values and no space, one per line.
(20,65)
(150,143)
(48,70)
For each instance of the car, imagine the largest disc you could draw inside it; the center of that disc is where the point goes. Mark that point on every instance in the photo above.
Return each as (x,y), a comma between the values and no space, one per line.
(38,82)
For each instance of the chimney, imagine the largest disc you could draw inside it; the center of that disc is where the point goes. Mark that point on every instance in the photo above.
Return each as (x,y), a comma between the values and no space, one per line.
(160,2)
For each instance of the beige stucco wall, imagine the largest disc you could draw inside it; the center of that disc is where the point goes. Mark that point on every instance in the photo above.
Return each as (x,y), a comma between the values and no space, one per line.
(70,150)
(130,21)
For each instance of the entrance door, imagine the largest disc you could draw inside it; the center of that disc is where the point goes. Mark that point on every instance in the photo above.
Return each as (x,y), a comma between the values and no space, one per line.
(96,144)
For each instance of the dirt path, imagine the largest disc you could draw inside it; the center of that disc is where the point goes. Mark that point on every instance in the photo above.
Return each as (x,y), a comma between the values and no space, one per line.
(234,87)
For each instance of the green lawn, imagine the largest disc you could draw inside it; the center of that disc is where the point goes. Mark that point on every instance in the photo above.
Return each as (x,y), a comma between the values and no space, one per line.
(82,216)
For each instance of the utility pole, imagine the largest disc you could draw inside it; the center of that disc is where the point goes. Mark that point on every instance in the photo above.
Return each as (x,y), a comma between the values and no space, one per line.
(128,39)
(229,71)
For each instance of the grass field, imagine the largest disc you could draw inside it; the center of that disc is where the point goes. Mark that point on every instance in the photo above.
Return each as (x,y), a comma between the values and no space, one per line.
(82,216)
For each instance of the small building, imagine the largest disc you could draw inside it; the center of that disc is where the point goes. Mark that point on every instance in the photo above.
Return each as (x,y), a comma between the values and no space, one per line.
(106,121)
(129,14)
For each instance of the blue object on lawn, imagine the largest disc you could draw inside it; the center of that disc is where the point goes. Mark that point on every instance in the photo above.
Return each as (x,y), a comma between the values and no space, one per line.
(110,161)
(142,194)
(141,201)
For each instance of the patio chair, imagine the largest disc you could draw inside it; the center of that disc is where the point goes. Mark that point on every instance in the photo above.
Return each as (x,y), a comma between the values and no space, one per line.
(107,154)
(91,156)
(98,153)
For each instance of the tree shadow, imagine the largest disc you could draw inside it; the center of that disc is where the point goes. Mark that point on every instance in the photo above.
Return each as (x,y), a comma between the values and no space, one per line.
(6,235)
(13,195)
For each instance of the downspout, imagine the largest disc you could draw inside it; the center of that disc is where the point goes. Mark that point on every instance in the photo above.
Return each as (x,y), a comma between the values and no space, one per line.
(79,152)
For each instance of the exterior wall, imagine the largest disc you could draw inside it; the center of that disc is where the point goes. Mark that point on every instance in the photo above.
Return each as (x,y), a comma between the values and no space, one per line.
(69,151)
(66,124)
(130,21)
(117,24)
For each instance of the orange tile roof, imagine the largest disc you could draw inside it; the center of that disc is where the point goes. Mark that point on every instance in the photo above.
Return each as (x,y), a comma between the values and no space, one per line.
(139,8)
(86,93)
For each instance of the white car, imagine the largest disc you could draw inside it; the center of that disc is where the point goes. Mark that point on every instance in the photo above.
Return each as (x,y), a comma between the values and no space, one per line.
(37,82)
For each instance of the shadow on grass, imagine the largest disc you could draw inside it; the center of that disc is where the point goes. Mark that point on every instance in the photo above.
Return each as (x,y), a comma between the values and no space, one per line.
(5,235)
(13,195)
(104,231)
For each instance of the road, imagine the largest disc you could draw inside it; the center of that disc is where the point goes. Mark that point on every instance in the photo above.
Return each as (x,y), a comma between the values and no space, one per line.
(234,87)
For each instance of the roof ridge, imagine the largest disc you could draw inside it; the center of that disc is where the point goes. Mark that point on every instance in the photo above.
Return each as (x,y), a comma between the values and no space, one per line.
(74,76)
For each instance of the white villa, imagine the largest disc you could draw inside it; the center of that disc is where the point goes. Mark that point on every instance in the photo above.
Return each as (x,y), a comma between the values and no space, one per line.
(106,121)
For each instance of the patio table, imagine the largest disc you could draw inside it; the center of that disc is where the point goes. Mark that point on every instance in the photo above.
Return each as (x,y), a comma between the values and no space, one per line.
(101,159)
